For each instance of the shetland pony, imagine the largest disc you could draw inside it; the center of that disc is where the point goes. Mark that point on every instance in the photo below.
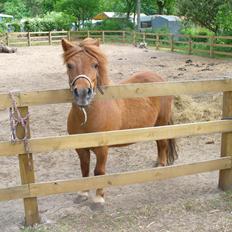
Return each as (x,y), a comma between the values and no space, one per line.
(87,72)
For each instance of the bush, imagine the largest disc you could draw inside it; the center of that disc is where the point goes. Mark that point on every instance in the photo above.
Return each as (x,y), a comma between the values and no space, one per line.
(114,24)
(163,30)
(224,20)
(16,26)
(3,27)
(52,21)
(195,31)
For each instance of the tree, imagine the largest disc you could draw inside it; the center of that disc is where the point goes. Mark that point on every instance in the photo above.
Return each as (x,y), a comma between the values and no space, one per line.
(82,9)
(34,7)
(202,12)
(23,8)
(149,7)
(130,7)
(166,6)
(224,19)
(49,5)
(160,4)
(17,8)
(2,4)
(121,6)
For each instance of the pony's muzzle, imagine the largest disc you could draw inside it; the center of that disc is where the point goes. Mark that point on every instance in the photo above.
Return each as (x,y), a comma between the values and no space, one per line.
(83,96)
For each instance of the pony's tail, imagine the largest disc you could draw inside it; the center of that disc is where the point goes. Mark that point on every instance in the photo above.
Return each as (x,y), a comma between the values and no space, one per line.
(172,148)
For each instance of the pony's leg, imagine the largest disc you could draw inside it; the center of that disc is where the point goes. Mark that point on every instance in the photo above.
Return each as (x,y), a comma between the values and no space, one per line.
(101,157)
(84,156)
(162,146)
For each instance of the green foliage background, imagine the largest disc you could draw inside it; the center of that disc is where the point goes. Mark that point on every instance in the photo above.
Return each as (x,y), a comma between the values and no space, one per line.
(201,17)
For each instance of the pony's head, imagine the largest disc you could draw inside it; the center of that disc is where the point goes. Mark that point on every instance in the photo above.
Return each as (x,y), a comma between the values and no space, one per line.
(86,68)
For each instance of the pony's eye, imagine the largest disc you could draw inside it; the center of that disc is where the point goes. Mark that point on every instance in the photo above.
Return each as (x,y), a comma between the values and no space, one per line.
(70,66)
(95,65)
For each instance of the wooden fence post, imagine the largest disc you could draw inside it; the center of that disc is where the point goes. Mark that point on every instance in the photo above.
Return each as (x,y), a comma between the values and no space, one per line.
(190,46)
(69,35)
(50,38)
(157,41)
(123,36)
(211,45)
(144,37)
(7,39)
(27,176)
(134,38)
(172,42)
(29,39)
(103,37)
(225,176)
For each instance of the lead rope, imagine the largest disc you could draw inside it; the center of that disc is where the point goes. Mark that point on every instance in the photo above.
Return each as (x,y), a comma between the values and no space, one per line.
(16,119)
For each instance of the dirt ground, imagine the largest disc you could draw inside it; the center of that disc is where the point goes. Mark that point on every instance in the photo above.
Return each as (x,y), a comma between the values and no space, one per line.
(191,203)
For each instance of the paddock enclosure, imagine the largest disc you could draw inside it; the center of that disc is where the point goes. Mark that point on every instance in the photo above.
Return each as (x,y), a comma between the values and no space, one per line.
(197,44)
(36,88)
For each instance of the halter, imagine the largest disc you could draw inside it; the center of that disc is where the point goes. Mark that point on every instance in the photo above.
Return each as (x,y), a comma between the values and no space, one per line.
(86,77)
(79,77)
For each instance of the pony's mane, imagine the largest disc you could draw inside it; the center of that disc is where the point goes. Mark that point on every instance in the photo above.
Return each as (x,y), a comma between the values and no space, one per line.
(89,46)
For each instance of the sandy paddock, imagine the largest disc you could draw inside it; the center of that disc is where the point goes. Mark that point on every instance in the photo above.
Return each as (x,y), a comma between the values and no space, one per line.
(192,203)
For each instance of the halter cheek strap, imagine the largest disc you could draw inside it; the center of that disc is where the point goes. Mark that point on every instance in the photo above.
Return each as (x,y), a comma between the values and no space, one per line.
(79,77)
(98,86)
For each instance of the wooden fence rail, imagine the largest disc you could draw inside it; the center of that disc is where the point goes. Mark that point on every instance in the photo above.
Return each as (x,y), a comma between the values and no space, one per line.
(35,38)
(120,91)
(116,137)
(211,45)
(29,190)
(133,177)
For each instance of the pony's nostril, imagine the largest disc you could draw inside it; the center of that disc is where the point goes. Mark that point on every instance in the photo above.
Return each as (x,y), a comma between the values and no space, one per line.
(76,92)
(90,91)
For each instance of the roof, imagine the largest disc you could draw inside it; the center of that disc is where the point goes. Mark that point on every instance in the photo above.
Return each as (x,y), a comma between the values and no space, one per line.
(109,15)
(169,17)
(114,15)
(145,18)
(6,16)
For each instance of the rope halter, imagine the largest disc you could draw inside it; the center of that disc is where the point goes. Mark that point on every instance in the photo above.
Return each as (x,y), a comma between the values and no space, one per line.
(81,76)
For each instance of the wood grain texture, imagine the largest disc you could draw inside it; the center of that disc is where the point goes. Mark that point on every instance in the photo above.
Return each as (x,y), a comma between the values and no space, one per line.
(120,91)
(116,137)
(27,175)
(225,177)
(126,178)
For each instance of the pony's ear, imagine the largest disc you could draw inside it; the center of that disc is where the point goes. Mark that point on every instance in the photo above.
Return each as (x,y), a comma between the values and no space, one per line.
(66,45)
(97,42)
(90,41)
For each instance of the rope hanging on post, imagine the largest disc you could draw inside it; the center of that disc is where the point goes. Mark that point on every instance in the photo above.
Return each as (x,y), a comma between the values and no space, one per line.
(17,119)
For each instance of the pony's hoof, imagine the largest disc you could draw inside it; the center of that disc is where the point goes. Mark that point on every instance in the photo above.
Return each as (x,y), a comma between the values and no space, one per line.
(98,203)
(98,199)
(158,164)
(97,206)
(82,196)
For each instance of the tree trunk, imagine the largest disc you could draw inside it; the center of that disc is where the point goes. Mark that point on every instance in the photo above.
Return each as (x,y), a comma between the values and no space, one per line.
(138,5)
(160,4)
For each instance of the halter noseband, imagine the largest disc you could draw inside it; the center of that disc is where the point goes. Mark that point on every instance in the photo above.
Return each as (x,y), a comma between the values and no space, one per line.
(86,77)
(79,77)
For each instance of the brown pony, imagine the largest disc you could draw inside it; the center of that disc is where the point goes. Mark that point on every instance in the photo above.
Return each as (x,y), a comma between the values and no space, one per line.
(87,71)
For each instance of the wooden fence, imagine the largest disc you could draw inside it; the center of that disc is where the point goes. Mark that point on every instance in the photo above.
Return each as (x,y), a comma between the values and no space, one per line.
(35,38)
(29,190)
(210,45)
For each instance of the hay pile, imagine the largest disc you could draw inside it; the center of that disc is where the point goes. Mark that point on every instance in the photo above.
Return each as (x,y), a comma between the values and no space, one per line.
(192,109)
